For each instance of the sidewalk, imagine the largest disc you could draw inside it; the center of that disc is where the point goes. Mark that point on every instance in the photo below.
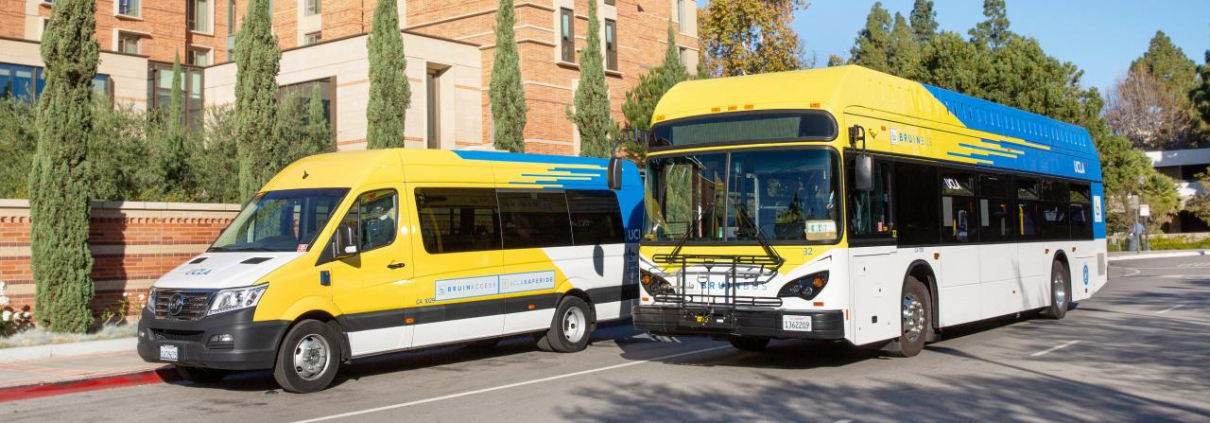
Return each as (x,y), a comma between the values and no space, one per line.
(1133,255)
(69,369)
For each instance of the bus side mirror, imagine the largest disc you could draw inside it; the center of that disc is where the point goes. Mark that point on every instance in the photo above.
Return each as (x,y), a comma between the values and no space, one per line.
(863,173)
(614,174)
(344,242)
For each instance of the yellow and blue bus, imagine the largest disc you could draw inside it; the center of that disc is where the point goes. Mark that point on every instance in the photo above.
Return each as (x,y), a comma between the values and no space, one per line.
(353,254)
(848,204)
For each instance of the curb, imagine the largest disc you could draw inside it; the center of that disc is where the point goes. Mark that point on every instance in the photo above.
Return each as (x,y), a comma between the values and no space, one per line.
(1159,255)
(143,377)
(42,352)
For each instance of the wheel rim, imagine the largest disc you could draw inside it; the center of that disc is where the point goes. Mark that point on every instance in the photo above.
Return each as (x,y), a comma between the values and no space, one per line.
(311,357)
(574,325)
(913,317)
(1060,291)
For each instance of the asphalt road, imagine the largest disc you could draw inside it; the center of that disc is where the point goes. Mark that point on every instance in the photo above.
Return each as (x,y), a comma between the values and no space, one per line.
(1139,351)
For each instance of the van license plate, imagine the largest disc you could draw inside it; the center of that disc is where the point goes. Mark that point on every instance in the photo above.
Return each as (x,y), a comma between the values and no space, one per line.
(796,323)
(169,353)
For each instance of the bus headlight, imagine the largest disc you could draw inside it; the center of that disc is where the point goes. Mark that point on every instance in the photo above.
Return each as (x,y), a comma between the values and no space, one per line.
(806,287)
(654,285)
(235,299)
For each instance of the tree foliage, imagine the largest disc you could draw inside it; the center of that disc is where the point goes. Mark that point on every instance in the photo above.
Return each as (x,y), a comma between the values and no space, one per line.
(924,20)
(390,91)
(591,114)
(257,61)
(170,144)
(18,140)
(641,100)
(993,32)
(873,44)
(507,93)
(59,178)
(904,55)
(744,37)
(1149,113)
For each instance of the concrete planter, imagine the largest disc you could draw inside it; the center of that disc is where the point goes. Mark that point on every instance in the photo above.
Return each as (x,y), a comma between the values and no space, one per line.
(42,352)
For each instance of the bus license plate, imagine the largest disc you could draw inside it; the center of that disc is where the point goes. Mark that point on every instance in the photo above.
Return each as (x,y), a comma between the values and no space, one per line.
(796,323)
(169,353)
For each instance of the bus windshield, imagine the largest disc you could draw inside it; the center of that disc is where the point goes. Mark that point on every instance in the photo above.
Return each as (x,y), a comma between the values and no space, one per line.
(784,195)
(751,127)
(280,221)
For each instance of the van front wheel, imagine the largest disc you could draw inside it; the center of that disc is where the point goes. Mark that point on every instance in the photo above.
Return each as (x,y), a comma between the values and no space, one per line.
(308,358)
(569,331)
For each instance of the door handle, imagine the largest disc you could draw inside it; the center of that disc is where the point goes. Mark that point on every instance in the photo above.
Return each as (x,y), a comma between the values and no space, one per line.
(396,265)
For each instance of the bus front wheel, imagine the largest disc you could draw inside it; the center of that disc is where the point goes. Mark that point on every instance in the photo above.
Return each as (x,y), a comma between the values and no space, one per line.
(1060,288)
(917,319)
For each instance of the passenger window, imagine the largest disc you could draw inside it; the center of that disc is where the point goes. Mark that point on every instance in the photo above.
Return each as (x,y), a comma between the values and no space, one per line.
(374,218)
(871,210)
(996,211)
(455,220)
(534,219)
(1081,212)
(917,223)
(958,214)
(1055,205)
(1029,209)
(596,217)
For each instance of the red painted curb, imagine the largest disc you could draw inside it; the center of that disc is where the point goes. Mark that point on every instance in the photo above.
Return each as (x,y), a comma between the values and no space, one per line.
(18,393)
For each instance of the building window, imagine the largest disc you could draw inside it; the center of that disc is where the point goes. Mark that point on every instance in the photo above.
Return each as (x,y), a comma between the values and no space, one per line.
(432,86)
(680,14)
(568,36)
(27,82)
(230,26)
(160,88)
(313,7)
(129,43)
(611,45)
(44,24)
(611,2)
(199,14)
(304,90)
(312,38)
(198,56)
(683,53)
(129,8)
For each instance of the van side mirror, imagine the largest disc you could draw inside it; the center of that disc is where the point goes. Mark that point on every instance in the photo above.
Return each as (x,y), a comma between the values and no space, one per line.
(863,173)
(614,174)
(344,243)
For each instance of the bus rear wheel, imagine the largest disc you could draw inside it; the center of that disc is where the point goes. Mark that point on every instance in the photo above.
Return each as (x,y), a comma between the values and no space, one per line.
(917,319)
(1060,289)
(308,358)
(569,331)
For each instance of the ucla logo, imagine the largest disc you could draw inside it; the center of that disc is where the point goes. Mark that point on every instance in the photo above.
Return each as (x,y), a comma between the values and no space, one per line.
(198,272)
(1079,165)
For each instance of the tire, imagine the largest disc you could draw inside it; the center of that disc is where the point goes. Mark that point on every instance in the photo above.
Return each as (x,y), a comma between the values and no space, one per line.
(570,329)
(201,376)
(1060,291)
(751,344)
(916,319)
(308,357)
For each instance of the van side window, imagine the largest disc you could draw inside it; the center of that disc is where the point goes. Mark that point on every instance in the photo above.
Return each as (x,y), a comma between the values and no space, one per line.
(534,219)
(454,220)
(375,218)
(596,217)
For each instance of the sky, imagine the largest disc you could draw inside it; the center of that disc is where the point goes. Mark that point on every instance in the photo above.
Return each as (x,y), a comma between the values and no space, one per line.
(1102,37)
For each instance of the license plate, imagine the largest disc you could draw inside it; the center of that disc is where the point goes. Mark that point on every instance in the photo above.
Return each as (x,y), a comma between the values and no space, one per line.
(796,323)
(169,353)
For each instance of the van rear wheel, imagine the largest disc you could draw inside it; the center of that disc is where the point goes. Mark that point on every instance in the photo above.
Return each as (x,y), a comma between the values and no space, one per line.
(308,358)
(570,329)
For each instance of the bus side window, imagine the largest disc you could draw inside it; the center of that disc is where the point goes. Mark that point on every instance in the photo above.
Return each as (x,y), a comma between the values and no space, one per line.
(958,212)
(917,223)
(871,211)
(1056,201)
(1029,208)
(1081,212)
(997,212)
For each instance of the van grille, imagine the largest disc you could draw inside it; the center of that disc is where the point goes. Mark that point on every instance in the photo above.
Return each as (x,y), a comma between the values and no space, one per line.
(196,302)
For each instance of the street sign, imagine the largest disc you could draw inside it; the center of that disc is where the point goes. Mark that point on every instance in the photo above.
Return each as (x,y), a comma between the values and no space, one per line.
(1145,210)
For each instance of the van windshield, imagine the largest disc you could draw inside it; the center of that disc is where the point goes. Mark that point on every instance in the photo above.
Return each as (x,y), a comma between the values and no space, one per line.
(280,221)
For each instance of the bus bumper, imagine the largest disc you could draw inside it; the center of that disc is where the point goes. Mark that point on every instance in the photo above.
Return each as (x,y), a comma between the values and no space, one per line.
(674,320)
(253,345)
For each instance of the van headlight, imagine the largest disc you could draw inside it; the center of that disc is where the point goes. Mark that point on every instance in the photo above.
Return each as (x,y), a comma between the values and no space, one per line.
(236,299)
(806,287)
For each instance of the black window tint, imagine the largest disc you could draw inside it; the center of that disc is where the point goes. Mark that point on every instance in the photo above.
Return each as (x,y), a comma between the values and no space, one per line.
(958,213)
(1029,209)
(1027,189)
(996,210)
(1081,212)
(596,217)
(871,211)
(458,220)
(1055,205)
(534,219)
(916,215)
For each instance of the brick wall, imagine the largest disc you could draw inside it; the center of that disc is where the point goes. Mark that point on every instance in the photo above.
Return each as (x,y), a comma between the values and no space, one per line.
(132,243)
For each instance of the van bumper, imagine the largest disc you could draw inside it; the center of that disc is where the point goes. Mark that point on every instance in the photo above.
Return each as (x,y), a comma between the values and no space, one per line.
(254,344)
(765,323)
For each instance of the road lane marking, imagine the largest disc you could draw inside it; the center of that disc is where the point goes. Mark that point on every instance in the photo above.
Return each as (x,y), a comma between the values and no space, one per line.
(503,387)
(1169,309)
(1054,348)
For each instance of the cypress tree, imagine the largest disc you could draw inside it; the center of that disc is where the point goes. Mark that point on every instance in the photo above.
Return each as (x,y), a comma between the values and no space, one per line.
(874,41)
(642,99)
(924,20)
(257,62)
(173,154)
(319,135)
(58,183)
(292,126)
(390,93)
(992,33)
(904,56)
(591,115)
(507,93)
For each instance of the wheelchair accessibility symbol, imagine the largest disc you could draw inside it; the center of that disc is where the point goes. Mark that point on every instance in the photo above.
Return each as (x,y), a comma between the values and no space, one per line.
(1085,275)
